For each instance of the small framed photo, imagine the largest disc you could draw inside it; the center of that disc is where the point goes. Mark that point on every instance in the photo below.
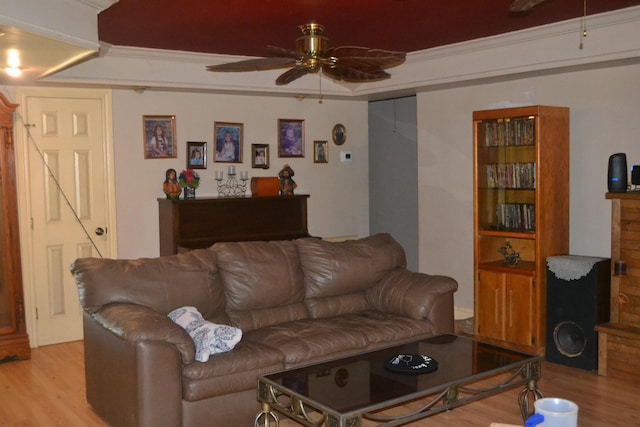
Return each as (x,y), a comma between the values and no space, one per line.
(227,138)
(339,134)
(197,155)
(260,156)
(320,153)
(290,138)
(159,137)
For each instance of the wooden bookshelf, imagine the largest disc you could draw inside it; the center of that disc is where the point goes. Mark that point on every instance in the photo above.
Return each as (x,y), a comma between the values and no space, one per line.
(521,199)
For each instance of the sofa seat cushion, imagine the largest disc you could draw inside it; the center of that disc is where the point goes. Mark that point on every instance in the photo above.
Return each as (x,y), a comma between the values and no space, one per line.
(261,277)
(386,327)
(229,372)
(309,339)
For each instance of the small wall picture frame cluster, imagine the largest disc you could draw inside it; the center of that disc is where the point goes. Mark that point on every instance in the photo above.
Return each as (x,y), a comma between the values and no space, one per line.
(320,152)
(260,156)
(227,141)
(290,138)
(196,155)
(159,141)
(159,137)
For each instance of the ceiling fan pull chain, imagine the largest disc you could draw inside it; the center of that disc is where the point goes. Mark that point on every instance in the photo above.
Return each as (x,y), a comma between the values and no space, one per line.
(584,22)
(320,85)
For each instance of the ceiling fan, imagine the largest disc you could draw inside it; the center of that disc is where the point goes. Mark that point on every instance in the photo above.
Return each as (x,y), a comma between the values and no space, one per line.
(313,54)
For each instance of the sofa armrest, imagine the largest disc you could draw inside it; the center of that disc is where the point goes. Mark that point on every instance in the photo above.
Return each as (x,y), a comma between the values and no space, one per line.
(133,365)
(416,295)
(138,323)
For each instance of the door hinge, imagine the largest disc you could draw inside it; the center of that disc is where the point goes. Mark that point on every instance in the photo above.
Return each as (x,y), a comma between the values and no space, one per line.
(37,316)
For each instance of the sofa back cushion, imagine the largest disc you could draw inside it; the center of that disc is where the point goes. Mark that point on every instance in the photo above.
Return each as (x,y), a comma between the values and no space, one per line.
(337,274)
(262,283)
(162,284)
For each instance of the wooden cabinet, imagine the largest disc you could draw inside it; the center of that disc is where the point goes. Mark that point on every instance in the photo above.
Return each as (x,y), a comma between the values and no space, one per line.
(507,299)
(521,207)
(619,340)
(14,341)
(199,223)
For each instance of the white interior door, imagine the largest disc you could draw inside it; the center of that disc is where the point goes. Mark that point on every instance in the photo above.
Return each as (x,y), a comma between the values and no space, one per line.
(68,204)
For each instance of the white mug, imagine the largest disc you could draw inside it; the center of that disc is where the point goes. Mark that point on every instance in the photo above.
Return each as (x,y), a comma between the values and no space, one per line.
(554,412)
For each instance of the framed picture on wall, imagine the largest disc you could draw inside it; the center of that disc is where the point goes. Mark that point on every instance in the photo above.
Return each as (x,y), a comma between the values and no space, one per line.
(290,138)
(320,151)
(197,155)
(339,134)
(159,137)
(260,156)
(227,139)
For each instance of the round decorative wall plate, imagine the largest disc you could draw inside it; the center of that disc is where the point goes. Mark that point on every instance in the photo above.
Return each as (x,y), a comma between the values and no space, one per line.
(339,134)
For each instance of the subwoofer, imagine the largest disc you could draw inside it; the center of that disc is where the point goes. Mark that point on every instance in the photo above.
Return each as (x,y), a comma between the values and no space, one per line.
(578,290)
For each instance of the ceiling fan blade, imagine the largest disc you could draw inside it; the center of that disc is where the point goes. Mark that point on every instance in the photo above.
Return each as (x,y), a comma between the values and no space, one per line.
(258,64)
(291,75)
(360,57)
(523,5)
(280,51)
(355,75)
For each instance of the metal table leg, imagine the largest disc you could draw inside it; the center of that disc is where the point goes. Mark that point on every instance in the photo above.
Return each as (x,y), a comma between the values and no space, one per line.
(267,415)
(532,374)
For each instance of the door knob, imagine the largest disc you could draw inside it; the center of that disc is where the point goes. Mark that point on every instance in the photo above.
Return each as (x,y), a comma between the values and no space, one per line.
(99,231)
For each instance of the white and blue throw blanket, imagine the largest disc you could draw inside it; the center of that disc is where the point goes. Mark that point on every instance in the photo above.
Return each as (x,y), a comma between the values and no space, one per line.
(209,338)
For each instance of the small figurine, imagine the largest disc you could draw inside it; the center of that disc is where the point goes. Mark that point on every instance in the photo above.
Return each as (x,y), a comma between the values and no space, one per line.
(170,186)
(511,256)
(287,184)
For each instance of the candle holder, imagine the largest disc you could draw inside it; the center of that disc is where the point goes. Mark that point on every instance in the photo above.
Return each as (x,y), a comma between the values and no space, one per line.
(232,187)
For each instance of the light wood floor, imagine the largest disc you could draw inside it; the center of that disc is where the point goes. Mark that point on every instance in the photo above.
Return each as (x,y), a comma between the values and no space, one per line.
(48,390)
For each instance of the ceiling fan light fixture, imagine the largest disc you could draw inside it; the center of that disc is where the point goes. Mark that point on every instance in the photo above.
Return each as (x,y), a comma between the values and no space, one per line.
(312,43)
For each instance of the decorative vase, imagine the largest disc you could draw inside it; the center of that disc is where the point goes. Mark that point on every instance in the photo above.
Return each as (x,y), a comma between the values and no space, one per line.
(189,193)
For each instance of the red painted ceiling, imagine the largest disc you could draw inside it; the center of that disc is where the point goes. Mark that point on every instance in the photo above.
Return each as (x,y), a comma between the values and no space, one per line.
(245,27)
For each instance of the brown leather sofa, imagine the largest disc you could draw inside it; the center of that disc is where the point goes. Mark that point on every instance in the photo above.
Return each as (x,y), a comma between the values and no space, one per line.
(296,302)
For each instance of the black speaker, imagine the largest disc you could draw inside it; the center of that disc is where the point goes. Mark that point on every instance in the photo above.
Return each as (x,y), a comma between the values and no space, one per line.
(578,290)
(635,175)
(617,174)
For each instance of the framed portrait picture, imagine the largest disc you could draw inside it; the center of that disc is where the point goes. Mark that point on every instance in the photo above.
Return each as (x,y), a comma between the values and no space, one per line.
(320,151)
(197,155)
(339,134)
(159,137)
(290,138)
(227,138)
(260,156)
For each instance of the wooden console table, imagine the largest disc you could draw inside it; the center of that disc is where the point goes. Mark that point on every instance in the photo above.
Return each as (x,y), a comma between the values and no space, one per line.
(199,223)
(619,340)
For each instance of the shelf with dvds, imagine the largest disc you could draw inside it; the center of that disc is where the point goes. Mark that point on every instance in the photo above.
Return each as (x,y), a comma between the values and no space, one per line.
(521,216)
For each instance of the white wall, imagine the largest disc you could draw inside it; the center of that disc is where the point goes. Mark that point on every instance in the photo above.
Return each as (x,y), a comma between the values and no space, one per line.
(604,105)
(339,200)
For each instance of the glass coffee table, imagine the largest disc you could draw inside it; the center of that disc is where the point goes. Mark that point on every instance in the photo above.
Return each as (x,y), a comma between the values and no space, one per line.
(343,392)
